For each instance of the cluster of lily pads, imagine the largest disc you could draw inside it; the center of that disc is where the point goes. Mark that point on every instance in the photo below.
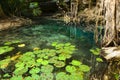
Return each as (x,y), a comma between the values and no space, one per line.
(48,64)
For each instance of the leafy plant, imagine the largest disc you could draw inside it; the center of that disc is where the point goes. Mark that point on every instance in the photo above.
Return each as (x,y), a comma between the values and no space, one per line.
(5,49)
(96,52)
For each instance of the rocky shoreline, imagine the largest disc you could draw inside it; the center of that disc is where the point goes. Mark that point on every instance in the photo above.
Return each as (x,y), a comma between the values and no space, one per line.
(14,22)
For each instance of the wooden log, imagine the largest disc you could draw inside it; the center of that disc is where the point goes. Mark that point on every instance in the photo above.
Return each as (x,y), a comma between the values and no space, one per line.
(110,52)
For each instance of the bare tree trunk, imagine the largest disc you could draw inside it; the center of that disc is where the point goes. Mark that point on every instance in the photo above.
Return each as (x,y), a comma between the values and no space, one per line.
(112,18)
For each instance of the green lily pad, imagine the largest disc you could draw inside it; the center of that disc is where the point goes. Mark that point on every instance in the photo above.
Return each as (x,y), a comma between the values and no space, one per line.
(59,64)
(47,68)
(95,51)
(5,49)
(84,68)
(99,60)
(76,76)
(39,60)
(34,70)
(70,69)
(76,63)
(53,59)
(44,62)
(16,78)
(46,76)
(62,76)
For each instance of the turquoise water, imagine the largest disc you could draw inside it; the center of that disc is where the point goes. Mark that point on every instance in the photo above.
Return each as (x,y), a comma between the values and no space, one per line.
(45,32)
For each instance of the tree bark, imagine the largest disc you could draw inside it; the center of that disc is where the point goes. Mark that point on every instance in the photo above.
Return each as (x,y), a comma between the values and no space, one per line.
(112,25)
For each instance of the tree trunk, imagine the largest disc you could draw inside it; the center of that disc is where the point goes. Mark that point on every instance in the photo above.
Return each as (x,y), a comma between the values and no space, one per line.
(112,18)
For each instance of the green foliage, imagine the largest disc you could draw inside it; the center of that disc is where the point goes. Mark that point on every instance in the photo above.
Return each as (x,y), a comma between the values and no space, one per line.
(46,64)
(5,49)
(12,42)
(70,69)
(96,52)
(99,60)
(62,76)
(76,63)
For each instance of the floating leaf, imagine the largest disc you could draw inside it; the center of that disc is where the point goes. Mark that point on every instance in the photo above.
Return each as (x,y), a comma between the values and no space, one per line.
(35,77)
(67,44)
(7,43)
(59,64)
(70,69)
(76,76)
(44,62)
(84,68)
(76,63)
(4,63)
(47,68)
(34,70)
(5,49)
(62,58)
(16,78)
(62,76)
(54,43)
(39,60)
(20,70)
(46,76)
(99,60)
(95,51)
(6,75)
(53,59)
(28,78)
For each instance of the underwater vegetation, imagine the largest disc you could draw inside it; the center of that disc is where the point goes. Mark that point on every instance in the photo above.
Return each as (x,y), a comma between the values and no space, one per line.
(53,63)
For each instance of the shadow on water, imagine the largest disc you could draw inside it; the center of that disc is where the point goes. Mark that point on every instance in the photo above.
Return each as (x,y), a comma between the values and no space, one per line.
(46,31)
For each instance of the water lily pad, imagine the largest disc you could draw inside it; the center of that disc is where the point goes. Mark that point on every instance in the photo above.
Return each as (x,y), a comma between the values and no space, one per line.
(35,77)
(53,59)
(7,43)
(99,60)
(16,78)
(54,43)
(44,62)
(84,68)
(47,68)
(62,58)
(76,76)
(12,42)
(62,76)
(76,63)
(34,70)
(20,70)
(95,51)
(46,76)
(5,49)
(59,64)
(70,69)
(4,63)
(51,54)
(39,60)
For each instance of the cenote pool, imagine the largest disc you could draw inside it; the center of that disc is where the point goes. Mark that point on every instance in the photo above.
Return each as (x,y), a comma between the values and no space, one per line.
(41,36)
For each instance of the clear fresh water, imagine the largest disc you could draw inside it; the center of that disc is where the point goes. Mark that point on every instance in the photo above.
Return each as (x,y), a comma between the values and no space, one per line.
(47,31)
